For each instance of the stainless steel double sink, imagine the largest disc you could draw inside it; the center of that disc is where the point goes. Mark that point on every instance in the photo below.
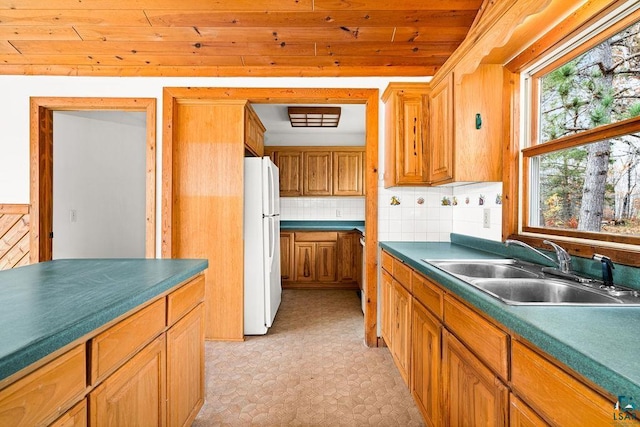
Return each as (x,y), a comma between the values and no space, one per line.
(516,282)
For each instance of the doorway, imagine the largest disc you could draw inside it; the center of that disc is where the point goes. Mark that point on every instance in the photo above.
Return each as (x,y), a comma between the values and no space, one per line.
(41,169)
(99,184)
(368,97)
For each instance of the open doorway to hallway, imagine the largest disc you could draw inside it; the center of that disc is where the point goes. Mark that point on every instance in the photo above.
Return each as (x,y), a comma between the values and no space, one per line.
(99,184)
(42,165)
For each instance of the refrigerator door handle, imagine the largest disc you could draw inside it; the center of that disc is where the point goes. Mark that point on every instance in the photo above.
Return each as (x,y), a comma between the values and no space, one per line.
(272,241)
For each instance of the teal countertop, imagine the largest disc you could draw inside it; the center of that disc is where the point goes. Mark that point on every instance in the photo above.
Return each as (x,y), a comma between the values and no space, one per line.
(48,305)
(322,225)
(600,343)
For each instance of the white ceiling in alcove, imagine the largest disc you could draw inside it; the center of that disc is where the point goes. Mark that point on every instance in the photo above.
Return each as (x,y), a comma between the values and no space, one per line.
(350,130)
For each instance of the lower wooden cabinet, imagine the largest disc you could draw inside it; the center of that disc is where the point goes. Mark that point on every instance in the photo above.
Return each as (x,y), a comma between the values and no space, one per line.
(135,394)
(460,361)
(319,259)
(146,369)
(553,393)
(473,394)
(348,248)
(286,256)
(44,394)
(326,261)
(401,329)
(426,345)
(185,368)
(396,322)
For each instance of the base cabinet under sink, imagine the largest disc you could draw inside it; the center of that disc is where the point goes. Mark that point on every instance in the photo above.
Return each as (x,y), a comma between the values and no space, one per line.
(467,369)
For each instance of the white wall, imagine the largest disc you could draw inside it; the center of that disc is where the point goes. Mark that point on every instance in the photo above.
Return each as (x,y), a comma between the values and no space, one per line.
(99,184)
(14,125)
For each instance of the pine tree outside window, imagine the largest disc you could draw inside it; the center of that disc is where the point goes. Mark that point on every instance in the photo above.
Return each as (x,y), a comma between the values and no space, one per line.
(582,164)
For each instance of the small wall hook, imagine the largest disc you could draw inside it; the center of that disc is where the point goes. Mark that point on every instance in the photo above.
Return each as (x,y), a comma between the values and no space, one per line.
(478,121)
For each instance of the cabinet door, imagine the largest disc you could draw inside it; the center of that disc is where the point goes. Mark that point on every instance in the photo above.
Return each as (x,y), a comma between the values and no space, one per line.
(401,334)
(386,303)
(316,177)
(425,369)
(286,256)
(135,395)
(479,153)
(440,145)
(253,133)
(290,166)
(473,395)
(410,144)
(347,267)
(326,267)
(347,173)
(185,368)
(305,261)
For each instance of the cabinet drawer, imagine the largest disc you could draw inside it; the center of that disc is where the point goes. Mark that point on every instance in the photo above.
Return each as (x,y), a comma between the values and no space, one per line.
(43,395)
(115,345)
(430,295)
(402,273)
(553,393)
(520,415)
(386,261)
(316,236)
(487,341)
(184,299)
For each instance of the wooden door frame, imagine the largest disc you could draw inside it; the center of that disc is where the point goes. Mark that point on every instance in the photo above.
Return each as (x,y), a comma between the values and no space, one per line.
(368,97)
(41,164)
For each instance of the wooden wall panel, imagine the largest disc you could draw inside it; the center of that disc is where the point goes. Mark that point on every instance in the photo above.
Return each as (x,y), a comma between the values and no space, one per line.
(14,236)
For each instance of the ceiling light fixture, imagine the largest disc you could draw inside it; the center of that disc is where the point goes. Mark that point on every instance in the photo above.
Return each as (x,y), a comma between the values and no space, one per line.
(311,117)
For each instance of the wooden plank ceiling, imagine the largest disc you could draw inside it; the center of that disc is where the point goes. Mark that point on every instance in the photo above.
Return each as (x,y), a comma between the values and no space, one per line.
(231,37)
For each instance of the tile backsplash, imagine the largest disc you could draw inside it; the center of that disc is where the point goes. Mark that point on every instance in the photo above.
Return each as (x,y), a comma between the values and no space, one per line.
(432,213)
(322,208)
(412,213)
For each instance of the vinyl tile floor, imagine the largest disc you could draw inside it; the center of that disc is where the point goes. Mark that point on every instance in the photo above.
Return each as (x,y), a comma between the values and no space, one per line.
(311,369)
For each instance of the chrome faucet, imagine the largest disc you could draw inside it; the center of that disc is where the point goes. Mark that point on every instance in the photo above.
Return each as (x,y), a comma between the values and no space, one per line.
(564,259)
(531,248)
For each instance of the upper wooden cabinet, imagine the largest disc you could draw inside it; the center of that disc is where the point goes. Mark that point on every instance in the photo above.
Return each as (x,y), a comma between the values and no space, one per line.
(440,141)
(319,171)
(448,132)
(253,132)
(406,114)
(290,166)
(316,175)
(347,173)
(480,101)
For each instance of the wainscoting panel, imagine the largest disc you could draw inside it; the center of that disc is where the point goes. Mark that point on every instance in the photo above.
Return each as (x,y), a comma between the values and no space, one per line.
(14,236)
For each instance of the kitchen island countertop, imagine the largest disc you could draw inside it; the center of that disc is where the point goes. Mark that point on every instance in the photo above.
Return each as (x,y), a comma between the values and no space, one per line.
(600,343)
(48,305)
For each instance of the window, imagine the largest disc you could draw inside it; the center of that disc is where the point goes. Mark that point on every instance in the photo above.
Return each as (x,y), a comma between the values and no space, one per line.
(582,165)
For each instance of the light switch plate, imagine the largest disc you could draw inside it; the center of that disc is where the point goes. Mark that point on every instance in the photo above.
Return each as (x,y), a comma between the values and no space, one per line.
(486,218)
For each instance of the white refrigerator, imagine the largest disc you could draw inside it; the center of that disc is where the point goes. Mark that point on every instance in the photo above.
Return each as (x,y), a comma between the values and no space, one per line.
(262,285)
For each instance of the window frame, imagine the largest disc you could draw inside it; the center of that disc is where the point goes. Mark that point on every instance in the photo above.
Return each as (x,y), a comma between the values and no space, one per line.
(621,248)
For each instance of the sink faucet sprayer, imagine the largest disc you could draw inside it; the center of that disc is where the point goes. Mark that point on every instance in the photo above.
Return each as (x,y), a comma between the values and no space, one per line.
(607,266)
(563,258)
